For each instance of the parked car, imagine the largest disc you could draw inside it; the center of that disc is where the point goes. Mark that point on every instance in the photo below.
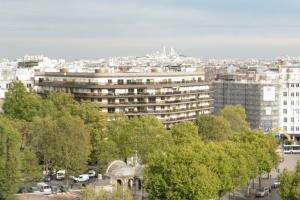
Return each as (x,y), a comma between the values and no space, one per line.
(262,192)
(47,178)
(44,187)
(60,174)
(22,189)
(54,189)
(92,173)
(275,184)
(81,178)
(63,188)
(34,189)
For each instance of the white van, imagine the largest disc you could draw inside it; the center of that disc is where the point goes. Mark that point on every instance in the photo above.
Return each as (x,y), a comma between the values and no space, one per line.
(81,178)
(60,174)
(44,187)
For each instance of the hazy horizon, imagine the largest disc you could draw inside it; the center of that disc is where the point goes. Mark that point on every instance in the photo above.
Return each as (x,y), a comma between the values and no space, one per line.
(99,29)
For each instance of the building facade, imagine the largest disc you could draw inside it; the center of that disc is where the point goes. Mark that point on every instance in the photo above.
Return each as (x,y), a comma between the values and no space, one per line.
(170,96)
(290,102)
(259,97)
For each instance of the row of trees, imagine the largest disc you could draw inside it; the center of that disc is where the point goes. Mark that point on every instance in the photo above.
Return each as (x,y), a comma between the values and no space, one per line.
(205,160)
(58,132)
(191,161)
(290,184)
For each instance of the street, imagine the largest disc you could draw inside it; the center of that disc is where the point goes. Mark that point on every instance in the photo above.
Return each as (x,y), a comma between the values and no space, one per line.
(289,162)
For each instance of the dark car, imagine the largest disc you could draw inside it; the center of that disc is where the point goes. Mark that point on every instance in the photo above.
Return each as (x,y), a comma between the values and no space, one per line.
(34,189)
(47,178)
(55,189)
(63,188)
(22,189)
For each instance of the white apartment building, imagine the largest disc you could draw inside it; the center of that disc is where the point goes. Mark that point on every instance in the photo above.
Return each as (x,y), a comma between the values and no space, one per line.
(170,96)
(290,98)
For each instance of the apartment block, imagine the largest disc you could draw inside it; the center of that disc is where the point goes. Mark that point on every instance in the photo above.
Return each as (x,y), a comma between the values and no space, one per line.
(170,96)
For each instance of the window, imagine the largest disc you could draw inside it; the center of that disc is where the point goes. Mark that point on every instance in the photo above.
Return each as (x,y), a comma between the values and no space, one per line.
(111,91)
(284,94)
(285,102)
(99,99)
(292,128)
(140,100)
(297,128)
(284,119)
(297,85)
(292,85)
(141,109)
(111,110)
(140,91)
(122,101)
(297,94)
(130,100)
(292,102)
(292,94)
(162,107)
(111,101)
(297,111)
(109,81)
(162,98)
(284,111)
(285,128)
(120,81)
(292,119)
(152,99)
(150,80)
(130,91)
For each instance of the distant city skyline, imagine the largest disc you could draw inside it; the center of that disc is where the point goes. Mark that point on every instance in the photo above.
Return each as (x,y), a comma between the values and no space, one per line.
(200,28)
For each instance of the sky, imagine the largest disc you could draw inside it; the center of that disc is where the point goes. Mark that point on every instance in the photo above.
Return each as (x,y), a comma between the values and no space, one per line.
(92,29)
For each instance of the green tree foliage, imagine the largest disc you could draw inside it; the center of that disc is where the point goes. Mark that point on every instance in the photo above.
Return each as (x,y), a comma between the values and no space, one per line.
(118,193)
(290,183)
(232,162)
(286,180)
(73,144)
(185,132)
(236,116)
(104,149)
(213,127)
(61,100)
(147,134)
(239,170)
(9,159)
(40,132)
(179,174)
(144,134)
(62,143)
(20,103)
(214,157)
(30,169)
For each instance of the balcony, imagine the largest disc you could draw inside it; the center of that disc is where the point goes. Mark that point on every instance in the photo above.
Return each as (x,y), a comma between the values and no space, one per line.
(75,84)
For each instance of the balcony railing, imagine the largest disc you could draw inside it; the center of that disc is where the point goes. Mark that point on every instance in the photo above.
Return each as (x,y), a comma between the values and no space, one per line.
(76,83)
(177,93)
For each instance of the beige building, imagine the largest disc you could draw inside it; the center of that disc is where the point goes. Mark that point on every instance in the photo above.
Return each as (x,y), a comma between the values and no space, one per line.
(170,96)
